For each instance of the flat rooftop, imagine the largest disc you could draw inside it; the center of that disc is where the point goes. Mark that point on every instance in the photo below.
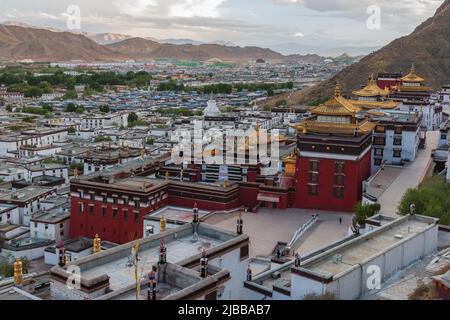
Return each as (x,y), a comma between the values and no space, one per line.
(175,214)
(141,183)
(270,226)
(382,181)
(25,194)
(16,294)
(181,243)
(121,276)
(361,249)
(53,215)
(6,207)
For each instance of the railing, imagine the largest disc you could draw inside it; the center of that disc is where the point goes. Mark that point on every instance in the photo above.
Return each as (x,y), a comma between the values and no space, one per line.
(300,232)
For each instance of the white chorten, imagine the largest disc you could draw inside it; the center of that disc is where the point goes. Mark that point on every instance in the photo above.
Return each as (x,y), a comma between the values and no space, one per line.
(211,110)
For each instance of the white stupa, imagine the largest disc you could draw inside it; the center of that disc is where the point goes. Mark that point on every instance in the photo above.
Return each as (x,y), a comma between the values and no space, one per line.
(211,110)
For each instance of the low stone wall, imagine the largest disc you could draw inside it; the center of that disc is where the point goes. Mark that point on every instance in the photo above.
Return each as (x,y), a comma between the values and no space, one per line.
(444,237)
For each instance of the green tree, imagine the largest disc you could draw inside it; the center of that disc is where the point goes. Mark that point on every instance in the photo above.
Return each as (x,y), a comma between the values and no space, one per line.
(47,107)
(33,92)
(28,119)
(71,107)
(132,117)
(79,109)
(45,87)
(365,211)
(102,139)
(70,94)
(104,108)
(319,101)
(431,198)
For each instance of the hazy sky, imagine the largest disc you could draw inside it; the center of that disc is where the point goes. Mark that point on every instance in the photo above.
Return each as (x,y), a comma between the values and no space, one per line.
(249,22)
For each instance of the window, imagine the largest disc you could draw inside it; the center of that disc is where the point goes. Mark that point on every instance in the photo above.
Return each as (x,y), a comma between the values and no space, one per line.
(104,214)
(338,192)
(379,141)
(313,177)
(397,153)
(398,130)
(377,162)
(314,165)
(379,152)
(443,137)
(339,167)
(81,208)
(92,197)
(136,217)
(244,251)
(115,213)
(313,190)
(115,201)
(380,129)
(46,226)
(92,210)
(125,214)
(397,141)
(339,180)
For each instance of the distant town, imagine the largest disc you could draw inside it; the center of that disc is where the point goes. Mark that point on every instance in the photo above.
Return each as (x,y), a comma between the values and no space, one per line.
(132,169)
(91,180)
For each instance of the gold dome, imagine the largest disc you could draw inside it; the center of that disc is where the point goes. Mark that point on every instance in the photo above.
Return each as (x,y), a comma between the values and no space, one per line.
(412,76)
(371,90)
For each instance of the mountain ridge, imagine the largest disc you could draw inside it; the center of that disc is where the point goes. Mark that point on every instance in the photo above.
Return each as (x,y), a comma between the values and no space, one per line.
(428,47)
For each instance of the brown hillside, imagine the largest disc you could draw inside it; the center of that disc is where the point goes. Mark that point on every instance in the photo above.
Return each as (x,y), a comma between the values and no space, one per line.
(428,47)
(18,43)
(139,48)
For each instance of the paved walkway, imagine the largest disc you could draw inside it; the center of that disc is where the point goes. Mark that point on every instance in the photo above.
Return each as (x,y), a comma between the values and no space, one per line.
(411,176)
(269,226)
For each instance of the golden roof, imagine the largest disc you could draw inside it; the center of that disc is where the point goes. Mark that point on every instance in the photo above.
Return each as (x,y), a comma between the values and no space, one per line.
(368,105)
(371,90)
(290,158)
(336,106)
(412,76)
(415,89)
(364,127)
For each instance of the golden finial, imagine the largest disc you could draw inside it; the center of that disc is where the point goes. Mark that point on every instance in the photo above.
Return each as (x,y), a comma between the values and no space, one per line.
(97,244)
(258,126)
(338,89)
(142,153)
(162,224)
(75,172)
(167,175)
(225,184)
(18,272)
(413,68)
